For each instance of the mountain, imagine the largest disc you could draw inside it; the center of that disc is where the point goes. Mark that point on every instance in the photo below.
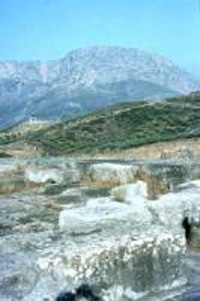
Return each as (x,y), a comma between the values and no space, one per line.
(86,80)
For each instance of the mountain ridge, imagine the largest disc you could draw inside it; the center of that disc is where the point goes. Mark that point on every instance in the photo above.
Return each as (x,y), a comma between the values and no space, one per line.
(86,80)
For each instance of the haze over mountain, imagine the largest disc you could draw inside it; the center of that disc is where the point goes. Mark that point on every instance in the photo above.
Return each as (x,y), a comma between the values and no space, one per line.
(86,80)
(195,70)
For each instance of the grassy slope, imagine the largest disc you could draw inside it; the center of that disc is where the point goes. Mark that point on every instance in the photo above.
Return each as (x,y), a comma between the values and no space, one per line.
(122,127)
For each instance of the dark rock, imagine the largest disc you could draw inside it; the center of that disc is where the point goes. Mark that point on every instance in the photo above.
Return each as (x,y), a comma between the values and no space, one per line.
(67,296)
(83,291)
(86,292)
(186,224)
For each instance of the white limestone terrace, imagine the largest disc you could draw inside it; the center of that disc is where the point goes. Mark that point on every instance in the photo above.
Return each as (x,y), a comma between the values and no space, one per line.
(115,243)
(111,174)
(137,263)
(123,245)
(59,173)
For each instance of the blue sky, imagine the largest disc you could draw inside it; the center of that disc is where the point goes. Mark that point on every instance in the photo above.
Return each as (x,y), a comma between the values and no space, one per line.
(48,29)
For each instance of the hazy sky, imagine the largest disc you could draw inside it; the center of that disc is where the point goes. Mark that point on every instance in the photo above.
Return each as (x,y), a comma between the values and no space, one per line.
(48,29)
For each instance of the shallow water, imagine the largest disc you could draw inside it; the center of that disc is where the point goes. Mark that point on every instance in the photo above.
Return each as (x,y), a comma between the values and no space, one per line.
(56,236)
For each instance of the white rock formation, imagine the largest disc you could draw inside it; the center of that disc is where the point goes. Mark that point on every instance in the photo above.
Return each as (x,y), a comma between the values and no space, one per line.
(130,193)
(171,208)
(57,172)
(152,260)
(44,175)
(111,174)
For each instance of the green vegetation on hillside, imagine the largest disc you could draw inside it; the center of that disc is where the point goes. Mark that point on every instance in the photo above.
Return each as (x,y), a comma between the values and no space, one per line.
(122,126)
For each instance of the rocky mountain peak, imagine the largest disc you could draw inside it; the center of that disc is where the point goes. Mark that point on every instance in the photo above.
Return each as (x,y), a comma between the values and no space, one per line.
(85,80)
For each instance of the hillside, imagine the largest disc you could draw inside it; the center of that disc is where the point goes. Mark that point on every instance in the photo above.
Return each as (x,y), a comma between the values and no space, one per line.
(86,80)
(119,127)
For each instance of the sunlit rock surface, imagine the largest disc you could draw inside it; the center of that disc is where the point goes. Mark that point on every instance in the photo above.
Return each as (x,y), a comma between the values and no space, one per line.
(43,176)
(136,262)
(156,185)
(110,174)
(130,192)
(59,235)
(173,207)
(160,177)
(43,173)
(12,176)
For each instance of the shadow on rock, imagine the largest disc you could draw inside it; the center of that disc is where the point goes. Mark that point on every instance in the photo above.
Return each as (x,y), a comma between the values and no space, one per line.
(83,291)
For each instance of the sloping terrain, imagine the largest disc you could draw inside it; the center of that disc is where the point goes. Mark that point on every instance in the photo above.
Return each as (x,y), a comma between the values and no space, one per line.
(86,80)
(119,127)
